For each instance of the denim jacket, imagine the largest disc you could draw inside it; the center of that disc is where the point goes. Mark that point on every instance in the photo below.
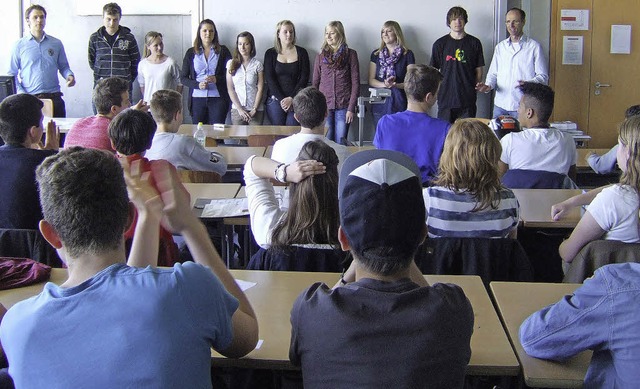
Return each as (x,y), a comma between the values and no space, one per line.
(602,315)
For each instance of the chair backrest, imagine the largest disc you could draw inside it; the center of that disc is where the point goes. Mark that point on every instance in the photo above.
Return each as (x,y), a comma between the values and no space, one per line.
(198,177)
(597,254)
(536,179)
(31,244)
(491,259)
(47,109)
(260,140)
(297,258)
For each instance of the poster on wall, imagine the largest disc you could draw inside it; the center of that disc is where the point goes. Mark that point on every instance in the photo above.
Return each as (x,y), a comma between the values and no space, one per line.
(574,19)
(620,39)
(572,49)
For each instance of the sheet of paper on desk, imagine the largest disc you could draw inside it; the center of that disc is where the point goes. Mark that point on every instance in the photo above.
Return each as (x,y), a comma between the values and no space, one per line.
(226,208)
(244,285)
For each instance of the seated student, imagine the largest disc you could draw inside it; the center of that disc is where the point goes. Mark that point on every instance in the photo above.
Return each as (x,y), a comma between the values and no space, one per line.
(413,131)
(312,218)
(467,199)
(110,96)
(613,210)
(310,109)
(398,331)
(602,316)
(180,150)
(111,325)
(130,133)
(606,163)
(538,146)
(21,130)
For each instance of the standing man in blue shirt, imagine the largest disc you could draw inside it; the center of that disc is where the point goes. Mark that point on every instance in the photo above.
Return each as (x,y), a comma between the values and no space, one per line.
(36,60)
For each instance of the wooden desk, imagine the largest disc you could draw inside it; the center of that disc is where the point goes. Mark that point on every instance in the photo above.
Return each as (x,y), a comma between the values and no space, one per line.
(211,191)
(273,297)
(238,132)
(516,301)
(11,296)
(581,161)
(237,156)
(352,149)
(535,207)
(355,149)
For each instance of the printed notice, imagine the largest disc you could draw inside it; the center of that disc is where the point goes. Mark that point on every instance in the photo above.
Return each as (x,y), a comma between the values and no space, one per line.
(572,48)
(620,39)
(574,19)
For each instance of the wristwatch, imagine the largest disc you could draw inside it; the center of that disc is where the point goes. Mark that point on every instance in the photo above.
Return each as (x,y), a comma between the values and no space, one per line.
(281,173)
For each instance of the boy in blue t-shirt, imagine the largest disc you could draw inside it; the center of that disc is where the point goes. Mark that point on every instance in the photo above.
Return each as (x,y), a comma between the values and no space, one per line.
(110,324)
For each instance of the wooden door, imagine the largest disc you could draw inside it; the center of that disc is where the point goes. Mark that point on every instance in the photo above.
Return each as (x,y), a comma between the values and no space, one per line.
(596,110)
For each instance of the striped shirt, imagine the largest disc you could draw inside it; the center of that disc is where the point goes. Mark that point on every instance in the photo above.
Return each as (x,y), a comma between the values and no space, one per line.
(449,214)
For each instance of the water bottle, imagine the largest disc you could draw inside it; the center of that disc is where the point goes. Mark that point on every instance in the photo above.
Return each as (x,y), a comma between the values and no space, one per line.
(200,135)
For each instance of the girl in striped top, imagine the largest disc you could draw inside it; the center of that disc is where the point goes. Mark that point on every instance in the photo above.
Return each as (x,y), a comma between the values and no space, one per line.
(468,200)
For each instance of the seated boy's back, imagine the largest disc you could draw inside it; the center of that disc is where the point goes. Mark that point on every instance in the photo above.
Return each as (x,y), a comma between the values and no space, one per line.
(110,97)
(416,134)
(413,132)
(181,151)
(111,325)
(184,152)
(380,334)
(125,326)
(20,206)
(538,146)
(546,149)
(21,129)
(383,325)
(310,107)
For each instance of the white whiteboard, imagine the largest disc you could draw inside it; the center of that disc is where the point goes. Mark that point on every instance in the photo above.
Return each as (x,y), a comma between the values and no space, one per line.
(139,7)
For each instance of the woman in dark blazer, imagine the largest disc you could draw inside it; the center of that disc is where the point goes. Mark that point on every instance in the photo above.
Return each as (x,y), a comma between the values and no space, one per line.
(203,71)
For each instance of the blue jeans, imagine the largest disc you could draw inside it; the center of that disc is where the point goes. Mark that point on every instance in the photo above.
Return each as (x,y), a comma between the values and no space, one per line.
(497,111)
(337,125)
(209,110)
(277,116)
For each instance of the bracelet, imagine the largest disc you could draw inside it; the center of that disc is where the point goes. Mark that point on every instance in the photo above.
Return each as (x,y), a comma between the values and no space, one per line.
(280,174)
(342,281)
(275,172)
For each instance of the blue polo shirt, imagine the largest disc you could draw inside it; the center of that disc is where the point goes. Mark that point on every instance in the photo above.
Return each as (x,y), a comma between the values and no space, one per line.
(37,64)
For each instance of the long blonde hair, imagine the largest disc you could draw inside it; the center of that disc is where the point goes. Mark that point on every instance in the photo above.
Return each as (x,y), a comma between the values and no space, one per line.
(395,26)
(277,44)
(469,162)
(629,134)
(336,25)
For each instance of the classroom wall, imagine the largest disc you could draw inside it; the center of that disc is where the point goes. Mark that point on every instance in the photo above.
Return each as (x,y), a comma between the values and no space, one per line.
(74,30)
(422,23)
